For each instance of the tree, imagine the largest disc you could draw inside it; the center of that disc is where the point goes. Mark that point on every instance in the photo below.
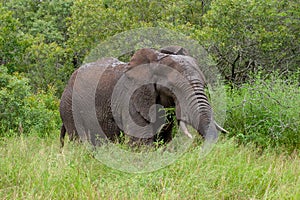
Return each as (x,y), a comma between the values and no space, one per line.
(34,41)
(13,43)
(47,65)
(250,35)
(47,18)
(93,21)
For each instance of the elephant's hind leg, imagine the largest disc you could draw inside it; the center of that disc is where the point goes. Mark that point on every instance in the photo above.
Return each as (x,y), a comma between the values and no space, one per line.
(62,135)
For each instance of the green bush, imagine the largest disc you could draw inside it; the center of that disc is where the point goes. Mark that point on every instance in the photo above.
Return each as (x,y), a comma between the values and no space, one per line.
(13,42)
(41,113)
(266,112)
(24,112)
(46,65)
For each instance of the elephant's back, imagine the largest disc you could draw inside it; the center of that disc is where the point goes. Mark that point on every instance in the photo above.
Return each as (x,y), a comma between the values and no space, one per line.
(91,82)
(104,91)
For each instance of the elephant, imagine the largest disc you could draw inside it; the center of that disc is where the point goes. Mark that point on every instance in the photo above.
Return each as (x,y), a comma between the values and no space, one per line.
(176,82)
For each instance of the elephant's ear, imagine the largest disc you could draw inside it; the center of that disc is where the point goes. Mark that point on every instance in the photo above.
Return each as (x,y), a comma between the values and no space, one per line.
(143,56)
(138,75)
(174,50)
(140,103)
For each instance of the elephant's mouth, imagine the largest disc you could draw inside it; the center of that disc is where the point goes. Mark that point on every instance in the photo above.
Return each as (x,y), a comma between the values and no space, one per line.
(161,113)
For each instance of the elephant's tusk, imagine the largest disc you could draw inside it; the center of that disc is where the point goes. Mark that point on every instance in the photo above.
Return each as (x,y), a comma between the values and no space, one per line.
(184,129)
(219,128)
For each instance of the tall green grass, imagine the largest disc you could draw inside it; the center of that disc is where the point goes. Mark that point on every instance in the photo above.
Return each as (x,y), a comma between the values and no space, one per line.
(266,112)
(34,168)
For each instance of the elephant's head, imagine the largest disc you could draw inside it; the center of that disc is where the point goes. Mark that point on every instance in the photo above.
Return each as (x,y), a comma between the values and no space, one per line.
(171,78)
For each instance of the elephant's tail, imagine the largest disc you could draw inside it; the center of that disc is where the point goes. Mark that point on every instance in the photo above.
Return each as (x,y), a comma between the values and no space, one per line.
(219,128)
(62,135)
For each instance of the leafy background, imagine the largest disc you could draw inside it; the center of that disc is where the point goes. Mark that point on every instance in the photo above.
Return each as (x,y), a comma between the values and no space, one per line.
(256,47)
(255,44)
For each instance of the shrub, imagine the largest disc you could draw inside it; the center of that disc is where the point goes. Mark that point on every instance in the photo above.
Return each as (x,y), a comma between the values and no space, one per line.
(22,111)
(266,112)
(41,114)
(46,65)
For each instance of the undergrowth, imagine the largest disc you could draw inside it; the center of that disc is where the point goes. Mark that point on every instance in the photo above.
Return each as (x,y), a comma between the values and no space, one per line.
(34,168)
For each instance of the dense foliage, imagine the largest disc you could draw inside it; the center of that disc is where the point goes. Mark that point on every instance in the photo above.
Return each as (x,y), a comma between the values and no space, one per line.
(253,35)
(266,112)
(43,42)
(23,112)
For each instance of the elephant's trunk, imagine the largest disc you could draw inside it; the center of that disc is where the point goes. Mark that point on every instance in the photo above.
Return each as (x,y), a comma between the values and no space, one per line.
(200,113)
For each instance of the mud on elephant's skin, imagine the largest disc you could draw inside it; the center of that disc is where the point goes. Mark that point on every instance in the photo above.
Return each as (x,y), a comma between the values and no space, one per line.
(196,111)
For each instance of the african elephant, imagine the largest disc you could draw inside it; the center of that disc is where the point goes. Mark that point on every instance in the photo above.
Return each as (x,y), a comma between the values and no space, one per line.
(104,89)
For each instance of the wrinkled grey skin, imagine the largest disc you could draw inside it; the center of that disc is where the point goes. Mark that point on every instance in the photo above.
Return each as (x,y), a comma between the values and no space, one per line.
(143,98)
